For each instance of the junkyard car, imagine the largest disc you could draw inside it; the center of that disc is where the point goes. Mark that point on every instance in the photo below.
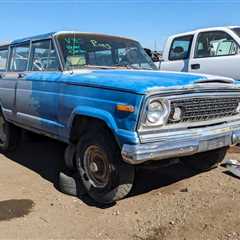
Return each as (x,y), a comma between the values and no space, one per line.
(209,51)
(102,96)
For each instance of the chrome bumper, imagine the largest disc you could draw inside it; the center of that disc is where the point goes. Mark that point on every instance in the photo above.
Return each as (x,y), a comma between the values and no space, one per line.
(183,143)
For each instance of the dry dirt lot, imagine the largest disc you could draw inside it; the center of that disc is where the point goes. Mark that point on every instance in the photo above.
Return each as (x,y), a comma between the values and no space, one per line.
(166,203)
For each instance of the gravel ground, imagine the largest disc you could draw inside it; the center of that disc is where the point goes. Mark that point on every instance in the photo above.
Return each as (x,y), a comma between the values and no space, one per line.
(166,203)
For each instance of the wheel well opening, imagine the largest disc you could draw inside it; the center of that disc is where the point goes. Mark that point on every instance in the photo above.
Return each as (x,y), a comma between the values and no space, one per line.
(82,124)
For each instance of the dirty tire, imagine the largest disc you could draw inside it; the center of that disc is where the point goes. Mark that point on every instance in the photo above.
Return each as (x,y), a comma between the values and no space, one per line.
(9,135)
(104,175)
(206,160)
(69,155)
(68,183)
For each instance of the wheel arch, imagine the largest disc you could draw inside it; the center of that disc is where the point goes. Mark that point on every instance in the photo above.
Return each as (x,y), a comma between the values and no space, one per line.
(81,118)
(80,121)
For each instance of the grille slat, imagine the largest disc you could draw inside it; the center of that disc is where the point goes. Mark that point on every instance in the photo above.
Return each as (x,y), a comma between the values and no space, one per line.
(196,109)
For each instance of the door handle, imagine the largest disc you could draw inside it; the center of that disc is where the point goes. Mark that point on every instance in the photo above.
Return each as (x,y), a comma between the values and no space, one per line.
(21,75)
(195,66)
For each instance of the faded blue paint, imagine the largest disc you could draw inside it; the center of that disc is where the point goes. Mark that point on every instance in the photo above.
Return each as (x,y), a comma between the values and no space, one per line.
(133,81)
(48,102)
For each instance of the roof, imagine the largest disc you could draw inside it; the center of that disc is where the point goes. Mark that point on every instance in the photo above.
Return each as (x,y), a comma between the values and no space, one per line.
(34,38)
(205,29)
(48,35)
(4,43)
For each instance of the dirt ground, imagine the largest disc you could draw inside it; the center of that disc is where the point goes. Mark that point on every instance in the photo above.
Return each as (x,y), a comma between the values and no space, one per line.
(166,203)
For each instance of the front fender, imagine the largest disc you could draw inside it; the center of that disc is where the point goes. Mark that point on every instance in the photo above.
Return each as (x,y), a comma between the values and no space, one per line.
(94,113)
(122,136)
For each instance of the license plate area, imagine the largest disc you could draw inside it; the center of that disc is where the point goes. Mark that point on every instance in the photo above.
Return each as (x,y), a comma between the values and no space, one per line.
(214,143)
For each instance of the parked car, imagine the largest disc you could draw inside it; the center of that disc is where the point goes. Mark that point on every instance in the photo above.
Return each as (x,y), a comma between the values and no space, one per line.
(101,95)
(211,51)
(155,56)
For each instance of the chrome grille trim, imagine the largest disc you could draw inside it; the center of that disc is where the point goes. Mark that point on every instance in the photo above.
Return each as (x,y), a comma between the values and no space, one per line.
(204,108)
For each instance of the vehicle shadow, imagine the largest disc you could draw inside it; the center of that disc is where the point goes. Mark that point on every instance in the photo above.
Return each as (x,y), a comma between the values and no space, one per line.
(157,178)
(45,157)
(42,155)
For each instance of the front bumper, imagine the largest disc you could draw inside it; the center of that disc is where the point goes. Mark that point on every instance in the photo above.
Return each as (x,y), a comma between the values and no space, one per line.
(183,143)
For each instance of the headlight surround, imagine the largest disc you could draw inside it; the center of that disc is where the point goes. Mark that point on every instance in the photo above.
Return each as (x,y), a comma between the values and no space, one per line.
(157,112)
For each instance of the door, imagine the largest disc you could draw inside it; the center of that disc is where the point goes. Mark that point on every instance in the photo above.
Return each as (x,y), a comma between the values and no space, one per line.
(37,94)
(7,85)
(178,54)
(217,53)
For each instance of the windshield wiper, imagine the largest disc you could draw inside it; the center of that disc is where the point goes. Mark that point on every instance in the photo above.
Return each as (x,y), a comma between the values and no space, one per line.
(108,67)
(128,66)
(98,66)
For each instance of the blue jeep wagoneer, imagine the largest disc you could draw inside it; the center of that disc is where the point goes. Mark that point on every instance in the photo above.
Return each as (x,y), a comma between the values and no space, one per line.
(102,96)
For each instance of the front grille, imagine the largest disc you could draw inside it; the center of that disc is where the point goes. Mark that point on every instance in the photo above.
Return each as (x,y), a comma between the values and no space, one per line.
(197,109)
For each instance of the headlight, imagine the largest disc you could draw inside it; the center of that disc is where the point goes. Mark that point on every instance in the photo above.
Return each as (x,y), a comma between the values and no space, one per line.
(157,113)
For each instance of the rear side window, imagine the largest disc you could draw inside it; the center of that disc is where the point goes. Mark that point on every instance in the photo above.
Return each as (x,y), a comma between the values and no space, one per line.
(215,44)
(3,59)
(43,56)
(180,48)
(19,58)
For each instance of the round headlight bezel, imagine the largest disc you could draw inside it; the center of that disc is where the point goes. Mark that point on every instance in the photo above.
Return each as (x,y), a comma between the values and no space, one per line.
(158,107)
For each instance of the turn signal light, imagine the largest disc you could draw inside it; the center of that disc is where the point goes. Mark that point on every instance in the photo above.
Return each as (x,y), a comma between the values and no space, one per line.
(125,108)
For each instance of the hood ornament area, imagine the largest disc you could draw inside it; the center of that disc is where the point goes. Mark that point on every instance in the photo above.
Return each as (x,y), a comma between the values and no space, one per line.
(214,80)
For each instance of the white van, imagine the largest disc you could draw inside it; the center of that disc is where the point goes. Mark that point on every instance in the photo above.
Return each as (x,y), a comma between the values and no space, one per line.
(213,51)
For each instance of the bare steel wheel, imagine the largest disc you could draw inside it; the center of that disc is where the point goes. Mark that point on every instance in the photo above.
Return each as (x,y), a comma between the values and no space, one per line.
(96,167)
(9,135)
(104,175)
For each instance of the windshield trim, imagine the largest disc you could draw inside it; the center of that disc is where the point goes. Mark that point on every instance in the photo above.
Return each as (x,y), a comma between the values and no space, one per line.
(93,34)
(87,66)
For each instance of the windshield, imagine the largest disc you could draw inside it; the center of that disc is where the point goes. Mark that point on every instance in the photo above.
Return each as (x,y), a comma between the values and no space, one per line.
(89,50)
(237,31)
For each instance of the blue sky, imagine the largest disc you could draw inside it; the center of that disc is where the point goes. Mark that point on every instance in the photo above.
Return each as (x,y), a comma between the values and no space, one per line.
(144,20)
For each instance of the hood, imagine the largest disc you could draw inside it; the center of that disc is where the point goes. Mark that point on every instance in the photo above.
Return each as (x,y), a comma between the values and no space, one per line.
(140,81)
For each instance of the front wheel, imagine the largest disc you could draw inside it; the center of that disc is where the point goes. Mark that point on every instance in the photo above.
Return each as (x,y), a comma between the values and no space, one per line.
(104,175)
(206,160)
(9,135)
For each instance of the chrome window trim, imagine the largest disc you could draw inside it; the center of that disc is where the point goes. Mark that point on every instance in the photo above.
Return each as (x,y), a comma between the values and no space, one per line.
(11,47)
(6,47)
(58,51)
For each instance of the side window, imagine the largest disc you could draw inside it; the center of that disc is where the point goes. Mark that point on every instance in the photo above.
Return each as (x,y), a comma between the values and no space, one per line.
(214,44)
(19,58)
(181,47)
(43,56)
(3,59)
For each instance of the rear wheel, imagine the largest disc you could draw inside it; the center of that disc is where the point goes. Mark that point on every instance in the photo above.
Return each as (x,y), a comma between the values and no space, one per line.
(206,160)
(104,175)
(9,135)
